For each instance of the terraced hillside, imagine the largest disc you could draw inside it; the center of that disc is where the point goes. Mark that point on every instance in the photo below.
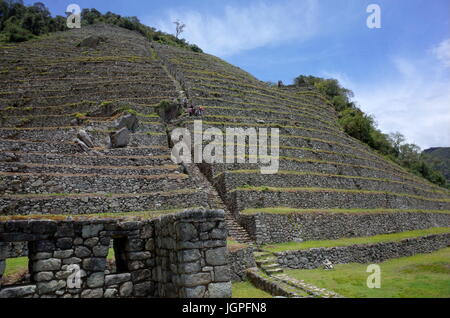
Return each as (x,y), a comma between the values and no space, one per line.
(52,89)
(322,169)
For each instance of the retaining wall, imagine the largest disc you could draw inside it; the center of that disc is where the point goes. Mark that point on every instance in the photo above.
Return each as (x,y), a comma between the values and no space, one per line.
(239,261)
(267,228)
(365,254)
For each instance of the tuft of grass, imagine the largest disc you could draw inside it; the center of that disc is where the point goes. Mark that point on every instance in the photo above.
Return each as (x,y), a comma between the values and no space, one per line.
(395,237)
(419,276)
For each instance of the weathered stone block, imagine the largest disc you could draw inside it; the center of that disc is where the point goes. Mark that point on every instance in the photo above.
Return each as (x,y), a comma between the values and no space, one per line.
(63,254)
(17,292)
(219,290)
(46,265)
(193,280)
(219,234)
(144,289)
(126,290)
(91,230)
(42,255)
(117,279)
(82,252)
(94,264)
(92,293)
(186,231)
(47,287)
(216,256)
(140,275)
(65,230)
(71,260)
(138,256)
(120,138)
(100,251)
(110,293)
(196,292)
(64,243)
(43,276)
(96,280)
(188,268)
(45,246)
(91,242)
(189,255)
(222,274)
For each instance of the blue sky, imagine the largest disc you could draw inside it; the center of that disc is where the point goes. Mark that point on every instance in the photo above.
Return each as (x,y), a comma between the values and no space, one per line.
(399,73)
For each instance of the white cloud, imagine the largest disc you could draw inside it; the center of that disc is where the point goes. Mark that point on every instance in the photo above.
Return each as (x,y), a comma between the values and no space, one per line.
(236,29)
(442,52)
(415,102)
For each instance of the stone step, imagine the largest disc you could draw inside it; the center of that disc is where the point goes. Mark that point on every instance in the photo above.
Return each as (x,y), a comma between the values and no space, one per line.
(272,271)
(306,287)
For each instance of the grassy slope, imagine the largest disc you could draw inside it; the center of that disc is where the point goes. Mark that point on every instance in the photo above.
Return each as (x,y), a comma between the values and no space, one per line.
(247,290)
(355,240)
(419,276)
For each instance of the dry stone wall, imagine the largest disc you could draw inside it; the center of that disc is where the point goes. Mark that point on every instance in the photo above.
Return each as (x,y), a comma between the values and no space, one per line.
(180,255)
(240,261)
(268,228)
(364,254)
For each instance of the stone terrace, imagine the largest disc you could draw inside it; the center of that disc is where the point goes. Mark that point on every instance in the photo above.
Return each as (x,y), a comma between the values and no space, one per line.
(51,88)
(321,167)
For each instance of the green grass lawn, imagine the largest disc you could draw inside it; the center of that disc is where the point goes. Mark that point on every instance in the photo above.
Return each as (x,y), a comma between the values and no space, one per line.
(15,265)
(247,290)
(419,276)
(289,246)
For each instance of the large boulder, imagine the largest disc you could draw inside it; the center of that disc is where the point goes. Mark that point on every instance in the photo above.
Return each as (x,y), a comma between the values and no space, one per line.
(120,138)
(129,121)
(85,138)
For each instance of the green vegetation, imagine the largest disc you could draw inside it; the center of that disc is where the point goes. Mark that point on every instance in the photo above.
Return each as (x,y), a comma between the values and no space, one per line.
(16,265)
(287,210)
(395,237)
(19,23)
(363,127)
(247,290)
(419,276)
(439,159)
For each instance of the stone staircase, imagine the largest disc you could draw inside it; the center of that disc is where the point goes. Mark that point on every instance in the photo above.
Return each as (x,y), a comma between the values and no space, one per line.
(235,231)
(267,262)
(284,284)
